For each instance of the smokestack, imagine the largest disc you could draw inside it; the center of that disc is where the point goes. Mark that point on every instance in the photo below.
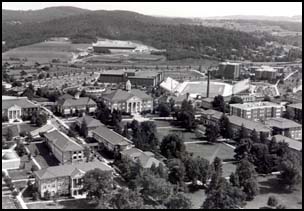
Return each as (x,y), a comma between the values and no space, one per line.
(208,82)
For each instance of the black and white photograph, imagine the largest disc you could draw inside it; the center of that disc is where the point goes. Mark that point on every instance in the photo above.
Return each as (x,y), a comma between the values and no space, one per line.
(151,105)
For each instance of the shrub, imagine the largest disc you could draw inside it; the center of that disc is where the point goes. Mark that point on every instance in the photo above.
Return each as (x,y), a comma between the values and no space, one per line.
(272,201)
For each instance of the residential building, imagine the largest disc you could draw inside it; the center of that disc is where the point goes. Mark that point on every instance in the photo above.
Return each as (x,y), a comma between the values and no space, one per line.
(295,111)
(65,179)
(90,122)
(207,103)
(229,70)
(146,159)
(129,100)
(64,148)
(257,110)
(111,140)
(69,105)
(212,117)
(265,73)
(16,108)
(285,127)
(292,144)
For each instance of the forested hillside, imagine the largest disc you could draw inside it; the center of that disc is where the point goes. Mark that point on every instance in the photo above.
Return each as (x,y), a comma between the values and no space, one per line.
(180,40)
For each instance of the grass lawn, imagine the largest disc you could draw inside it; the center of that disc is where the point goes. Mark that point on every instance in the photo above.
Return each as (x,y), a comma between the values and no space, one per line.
(23,173)
(45,159)
(73,204)
(8,203)
(269,186)
(197,198)
(186,136)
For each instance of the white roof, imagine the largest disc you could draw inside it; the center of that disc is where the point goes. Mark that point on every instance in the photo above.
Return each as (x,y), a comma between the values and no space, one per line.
(293,144)
(169,84)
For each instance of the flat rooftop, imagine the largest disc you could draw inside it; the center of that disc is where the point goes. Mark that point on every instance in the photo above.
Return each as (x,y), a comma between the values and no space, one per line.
(252,105)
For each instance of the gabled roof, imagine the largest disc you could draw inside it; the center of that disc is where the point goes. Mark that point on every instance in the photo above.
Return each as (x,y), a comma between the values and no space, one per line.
(67,170)
(111,136)
(21,102)
(296,105)
(90,121)
(120,95)
(282,123)
(62,141)
(82,101)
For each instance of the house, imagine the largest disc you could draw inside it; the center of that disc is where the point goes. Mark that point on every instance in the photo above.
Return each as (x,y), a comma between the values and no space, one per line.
(292,144)
(69,105)
(111,140)
(285,127)
(90,122)
(17,108)
(146,159)
(64,148)
(210,117)
(129,100)
(65,179)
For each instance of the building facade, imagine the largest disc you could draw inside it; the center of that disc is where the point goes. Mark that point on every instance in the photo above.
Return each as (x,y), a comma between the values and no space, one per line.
(16,108)
(256,111)
(295,111)
(285,127)
(265,73)
(64,148)
(65,180)
(229,70)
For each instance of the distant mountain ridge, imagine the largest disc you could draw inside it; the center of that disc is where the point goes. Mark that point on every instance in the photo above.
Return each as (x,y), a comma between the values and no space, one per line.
(295,18)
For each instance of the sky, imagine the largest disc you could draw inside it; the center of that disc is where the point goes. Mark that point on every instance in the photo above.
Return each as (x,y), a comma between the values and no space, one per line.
(176,9)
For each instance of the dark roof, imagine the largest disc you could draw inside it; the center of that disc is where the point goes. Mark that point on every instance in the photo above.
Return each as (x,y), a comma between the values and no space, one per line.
(67,170)
(214,113)
(21,102)
(111,136)
(282,123)
(146,158)
(62,141)
(90,121)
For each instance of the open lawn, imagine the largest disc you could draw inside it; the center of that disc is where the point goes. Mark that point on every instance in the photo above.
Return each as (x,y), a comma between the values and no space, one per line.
(71,204)
(44,158)
(22,173)
(8,203)
(270,186)
(45,51)
(197,198)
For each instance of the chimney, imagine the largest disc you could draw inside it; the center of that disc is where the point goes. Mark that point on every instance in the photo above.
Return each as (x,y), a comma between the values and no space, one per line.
(208,82)
(187,96)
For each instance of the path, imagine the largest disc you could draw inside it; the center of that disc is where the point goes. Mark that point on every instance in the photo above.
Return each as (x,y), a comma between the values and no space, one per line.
(20,199)
(50,201)
(33,159)
(289,75)
(215,153)
(196,142)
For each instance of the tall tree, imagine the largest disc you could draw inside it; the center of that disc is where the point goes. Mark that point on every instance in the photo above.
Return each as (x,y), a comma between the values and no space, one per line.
(127,199)
(164,110)
(84,129)
(9,134)
(225,127)
(219,103)
(172,146)
(178,201)
(212,133)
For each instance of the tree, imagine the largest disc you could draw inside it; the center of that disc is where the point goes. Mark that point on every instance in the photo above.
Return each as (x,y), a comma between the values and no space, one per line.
(125,132)
(243,133)
(164,110)
(234,180)
(219,103)
(225,127)
(212,133)
(47,195)
(236,100)
(35,196)
(41,120)
(172,146)
(84,129)
(267,98)
(272,201)
(197,169)
(86,153)
(178,201)
(176,172)
(254,136)
(145,136)
(224,196)
(9,135)
(127,199)
(34,168)
(247,177)
(185,116)
(97,183)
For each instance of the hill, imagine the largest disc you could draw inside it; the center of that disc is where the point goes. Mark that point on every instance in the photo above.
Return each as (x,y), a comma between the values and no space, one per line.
(182,38)
(31,16)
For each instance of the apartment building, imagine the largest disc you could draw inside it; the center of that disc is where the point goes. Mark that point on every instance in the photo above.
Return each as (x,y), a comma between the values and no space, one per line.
(257,111)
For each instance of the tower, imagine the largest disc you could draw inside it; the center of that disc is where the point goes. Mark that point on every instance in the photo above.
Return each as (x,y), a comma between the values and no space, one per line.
(208,82)
(128,86)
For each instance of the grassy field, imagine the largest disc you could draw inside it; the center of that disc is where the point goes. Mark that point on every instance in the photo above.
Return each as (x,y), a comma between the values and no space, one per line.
(270,186)
(8,203)
(44,51)
(23,173)
(72,204)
